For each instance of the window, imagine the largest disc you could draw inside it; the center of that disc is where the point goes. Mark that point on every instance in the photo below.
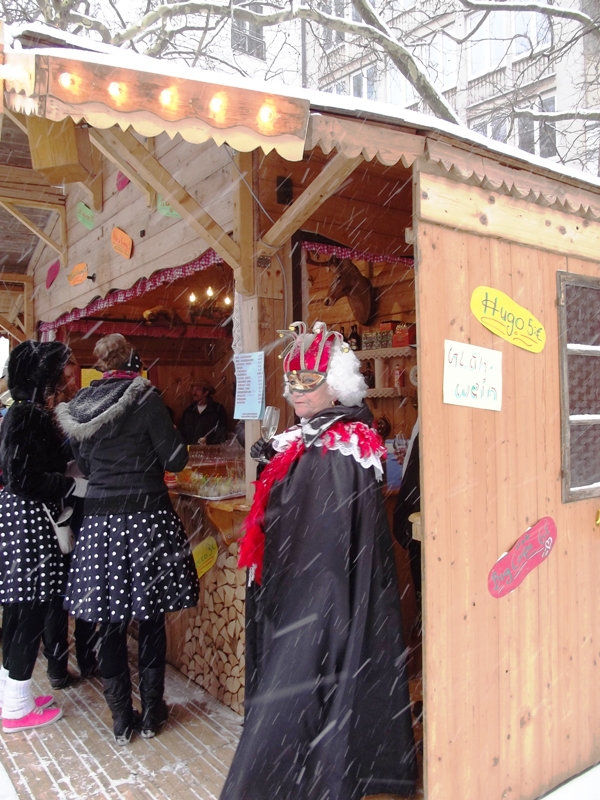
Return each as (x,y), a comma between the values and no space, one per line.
(532,31)
(548,131)
(247,37)
(443,59)
(538,137)
(338,9)
(400,91)
(579,348)
(488,44)
(364,83)
(495,128)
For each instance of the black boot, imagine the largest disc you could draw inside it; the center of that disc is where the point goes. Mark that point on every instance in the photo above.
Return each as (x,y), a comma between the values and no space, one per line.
(154,708)
(117,692)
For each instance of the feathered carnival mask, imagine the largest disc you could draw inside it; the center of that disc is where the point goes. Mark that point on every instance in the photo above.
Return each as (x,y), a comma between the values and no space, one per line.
(312,358)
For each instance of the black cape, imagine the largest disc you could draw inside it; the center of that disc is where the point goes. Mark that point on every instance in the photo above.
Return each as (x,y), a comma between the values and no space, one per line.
(327,708)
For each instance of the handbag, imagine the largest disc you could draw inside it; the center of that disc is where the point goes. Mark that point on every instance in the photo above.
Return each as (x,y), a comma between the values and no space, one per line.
(62,529)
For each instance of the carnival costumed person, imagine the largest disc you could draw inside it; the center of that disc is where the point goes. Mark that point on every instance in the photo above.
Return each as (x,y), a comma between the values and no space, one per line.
(327,707)
(132,559)
(32,567)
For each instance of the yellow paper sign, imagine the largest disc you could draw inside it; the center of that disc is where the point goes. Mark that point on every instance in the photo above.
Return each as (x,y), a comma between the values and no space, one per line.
(205,555)
(507,319)
(78,274)
(121,242)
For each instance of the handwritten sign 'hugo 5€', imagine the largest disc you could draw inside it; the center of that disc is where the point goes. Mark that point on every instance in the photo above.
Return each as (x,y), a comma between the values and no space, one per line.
(507,319)
(472,376)
(121,242)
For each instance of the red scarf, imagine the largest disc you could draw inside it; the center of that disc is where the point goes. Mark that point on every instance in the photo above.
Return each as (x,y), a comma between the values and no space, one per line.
(252,546)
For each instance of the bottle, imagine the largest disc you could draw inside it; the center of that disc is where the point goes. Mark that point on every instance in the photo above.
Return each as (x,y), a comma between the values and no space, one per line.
(354,339)
(369,375)
(342,331)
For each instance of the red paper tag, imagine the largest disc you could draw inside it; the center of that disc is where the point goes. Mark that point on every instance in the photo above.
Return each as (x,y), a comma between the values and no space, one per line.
(52,273)
(122,181)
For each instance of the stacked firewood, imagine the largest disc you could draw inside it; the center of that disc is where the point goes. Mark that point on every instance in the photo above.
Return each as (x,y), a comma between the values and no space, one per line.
(213,653)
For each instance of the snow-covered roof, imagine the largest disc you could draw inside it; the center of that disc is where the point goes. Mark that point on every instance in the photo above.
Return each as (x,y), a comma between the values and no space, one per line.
(245,135)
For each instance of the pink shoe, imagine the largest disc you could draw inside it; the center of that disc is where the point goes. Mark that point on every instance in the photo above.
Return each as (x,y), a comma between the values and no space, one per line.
(38,718)
(41,702)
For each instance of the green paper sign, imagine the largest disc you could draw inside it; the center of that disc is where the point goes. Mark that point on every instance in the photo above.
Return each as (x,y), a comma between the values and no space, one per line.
(165,209)
(85,215)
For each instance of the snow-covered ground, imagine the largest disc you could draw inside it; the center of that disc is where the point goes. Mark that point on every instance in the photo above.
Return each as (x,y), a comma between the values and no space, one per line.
(585,787)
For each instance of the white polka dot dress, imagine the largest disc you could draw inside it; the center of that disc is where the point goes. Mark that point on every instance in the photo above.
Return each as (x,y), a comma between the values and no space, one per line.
(31,564)
(128,565)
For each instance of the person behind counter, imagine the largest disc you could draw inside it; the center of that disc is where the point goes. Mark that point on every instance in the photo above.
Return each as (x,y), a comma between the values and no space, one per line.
(204,418)
(32,567)
(132,559)
(327,706)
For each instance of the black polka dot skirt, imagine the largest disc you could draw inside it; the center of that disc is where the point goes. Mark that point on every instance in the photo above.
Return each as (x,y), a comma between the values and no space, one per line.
(131,565)
(31,564)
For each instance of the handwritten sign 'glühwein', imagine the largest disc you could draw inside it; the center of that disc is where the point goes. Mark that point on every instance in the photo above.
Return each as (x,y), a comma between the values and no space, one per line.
(472,376)
(78,274)
(507,319)
(205,555)
(121,242)
(85,215)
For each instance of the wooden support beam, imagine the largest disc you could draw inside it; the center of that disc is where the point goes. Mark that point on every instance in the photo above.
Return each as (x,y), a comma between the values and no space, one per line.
(151,171)
(20,120)
(243,222)
(94,185)
(6,325)
(324,186)
(32,227)
(150,147)
(15,277)
(28,317)
(109,152)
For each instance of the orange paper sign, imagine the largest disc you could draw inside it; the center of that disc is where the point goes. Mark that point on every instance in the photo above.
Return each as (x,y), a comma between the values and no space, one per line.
(121,242)
(78,274)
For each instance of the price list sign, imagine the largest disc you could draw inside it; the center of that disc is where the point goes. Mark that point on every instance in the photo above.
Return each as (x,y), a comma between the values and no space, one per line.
(249,385)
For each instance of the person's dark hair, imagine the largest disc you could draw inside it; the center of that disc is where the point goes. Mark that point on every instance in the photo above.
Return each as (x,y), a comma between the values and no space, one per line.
(206,385)
(35,368)
(115,352)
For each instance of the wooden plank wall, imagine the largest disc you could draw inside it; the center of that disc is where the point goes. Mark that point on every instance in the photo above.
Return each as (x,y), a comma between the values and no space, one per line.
(511,703)
(204,171)
(175,383)
(368,212)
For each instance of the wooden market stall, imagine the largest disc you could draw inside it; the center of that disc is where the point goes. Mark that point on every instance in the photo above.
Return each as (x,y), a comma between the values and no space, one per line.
(428,214)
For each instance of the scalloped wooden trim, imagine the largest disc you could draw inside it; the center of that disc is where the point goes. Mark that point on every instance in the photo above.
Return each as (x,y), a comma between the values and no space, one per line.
(522,185)
(352,138)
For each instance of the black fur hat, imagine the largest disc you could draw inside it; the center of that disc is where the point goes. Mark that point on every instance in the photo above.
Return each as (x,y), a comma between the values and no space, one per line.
(34,369)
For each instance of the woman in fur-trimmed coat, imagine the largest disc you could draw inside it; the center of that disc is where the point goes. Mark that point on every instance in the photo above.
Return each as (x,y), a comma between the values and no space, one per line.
(132,559)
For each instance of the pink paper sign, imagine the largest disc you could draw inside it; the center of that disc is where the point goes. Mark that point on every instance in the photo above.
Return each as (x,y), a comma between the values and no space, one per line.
(52,273)
(122,181)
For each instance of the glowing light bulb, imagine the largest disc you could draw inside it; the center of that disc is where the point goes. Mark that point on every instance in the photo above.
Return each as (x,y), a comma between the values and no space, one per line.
(66,80)
(210,292)
(266,114)
(217,104)
(192,298)
(227,301)
(115,89)
(167,97)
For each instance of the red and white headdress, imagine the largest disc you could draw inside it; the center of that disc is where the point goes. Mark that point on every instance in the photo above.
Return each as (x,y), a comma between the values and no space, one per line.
(325,352)
(310,351)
